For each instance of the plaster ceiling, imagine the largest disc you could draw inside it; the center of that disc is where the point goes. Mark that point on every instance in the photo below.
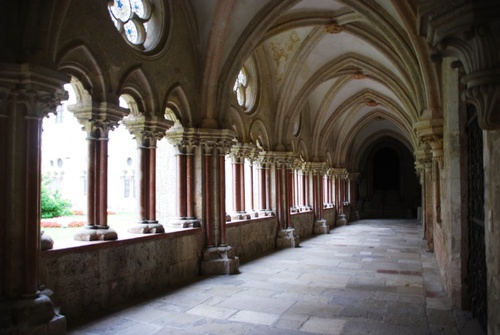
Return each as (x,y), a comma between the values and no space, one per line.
(345,60)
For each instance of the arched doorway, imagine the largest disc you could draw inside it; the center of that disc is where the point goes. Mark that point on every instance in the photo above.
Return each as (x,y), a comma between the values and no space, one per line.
(388,185)
(386,170)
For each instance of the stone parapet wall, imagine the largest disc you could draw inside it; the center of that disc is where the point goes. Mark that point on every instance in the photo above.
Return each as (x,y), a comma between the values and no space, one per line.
(303,223)
(251,238)
(91,278)
(330,216)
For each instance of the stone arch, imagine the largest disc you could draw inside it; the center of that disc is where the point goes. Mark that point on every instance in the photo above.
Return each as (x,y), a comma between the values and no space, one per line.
(235,122)
(178,102)
(137,86)
(79,62)
(259,132)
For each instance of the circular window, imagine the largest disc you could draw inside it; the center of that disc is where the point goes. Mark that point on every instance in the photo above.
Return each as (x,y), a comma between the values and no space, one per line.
(59,163)
(129,161)
(138,21)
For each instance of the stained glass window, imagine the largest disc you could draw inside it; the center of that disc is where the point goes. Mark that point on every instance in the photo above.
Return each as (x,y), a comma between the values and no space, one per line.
(131,18)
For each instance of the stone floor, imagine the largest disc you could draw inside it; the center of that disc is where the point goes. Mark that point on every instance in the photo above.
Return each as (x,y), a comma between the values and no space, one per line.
(372,277)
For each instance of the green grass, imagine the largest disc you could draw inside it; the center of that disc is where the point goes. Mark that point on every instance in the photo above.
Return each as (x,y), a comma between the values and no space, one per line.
(118,221)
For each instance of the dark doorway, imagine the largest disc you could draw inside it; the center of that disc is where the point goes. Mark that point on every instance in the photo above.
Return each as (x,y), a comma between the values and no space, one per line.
(386,170)
(388,185)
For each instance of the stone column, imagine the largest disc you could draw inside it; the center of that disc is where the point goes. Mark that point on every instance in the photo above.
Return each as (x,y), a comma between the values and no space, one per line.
(284,172)
(185,143)
(217,257)
(340,177)
(264,162)
(318,172)
(147,130)
(27,94)
(97,119)
(238,154)
(353,179)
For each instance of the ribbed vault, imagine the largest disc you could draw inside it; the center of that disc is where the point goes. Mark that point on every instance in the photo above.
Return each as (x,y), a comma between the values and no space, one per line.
(332,74)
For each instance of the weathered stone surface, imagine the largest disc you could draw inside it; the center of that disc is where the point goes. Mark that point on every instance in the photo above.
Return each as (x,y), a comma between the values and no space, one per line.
(287,239)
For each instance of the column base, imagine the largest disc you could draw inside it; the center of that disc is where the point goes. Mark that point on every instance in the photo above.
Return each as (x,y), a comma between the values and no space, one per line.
(286,239)
(184,223)
(320,227)
(31,316)
(341,221)
(146,227)
(46,242)
(219,261)
(354,216)
(96,233)
(265,212)
(240,216)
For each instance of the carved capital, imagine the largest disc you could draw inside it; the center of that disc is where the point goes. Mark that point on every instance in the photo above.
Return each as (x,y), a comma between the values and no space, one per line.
(284,159)
(39,89)
(98,119)
(147,129)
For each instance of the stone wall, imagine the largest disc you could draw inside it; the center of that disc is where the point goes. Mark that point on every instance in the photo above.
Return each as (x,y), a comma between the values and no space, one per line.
(449,229)
(330,217)
(97,276)
(251,238)
(303,223)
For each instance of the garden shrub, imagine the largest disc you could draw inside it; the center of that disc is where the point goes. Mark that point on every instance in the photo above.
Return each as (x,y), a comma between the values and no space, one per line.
(52,204)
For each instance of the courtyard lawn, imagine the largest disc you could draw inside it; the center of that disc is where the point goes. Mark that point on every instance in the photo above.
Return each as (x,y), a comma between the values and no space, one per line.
(118,221)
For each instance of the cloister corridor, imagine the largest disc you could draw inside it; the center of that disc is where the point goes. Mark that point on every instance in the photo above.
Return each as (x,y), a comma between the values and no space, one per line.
(369,277)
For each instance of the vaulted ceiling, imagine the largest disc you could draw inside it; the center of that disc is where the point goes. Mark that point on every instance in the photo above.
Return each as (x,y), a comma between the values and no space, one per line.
(337,74)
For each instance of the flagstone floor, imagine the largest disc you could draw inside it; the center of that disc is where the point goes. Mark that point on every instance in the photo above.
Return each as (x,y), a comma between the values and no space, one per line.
(371,277)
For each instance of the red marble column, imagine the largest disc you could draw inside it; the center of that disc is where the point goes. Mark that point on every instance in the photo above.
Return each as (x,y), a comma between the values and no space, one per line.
(151,171)
(262,186)
(242,185)
(222,200)
(236,185)
(102,180)
(321,191)
(289,196)
(32,204)
(181,186)
(91,176)
(279,196)
(315,195)
(208,199)
(268,188)
(190,185)
(307,201)
(252,204)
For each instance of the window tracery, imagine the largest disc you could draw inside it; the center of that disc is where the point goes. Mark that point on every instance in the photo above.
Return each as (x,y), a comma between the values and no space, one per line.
(132,19)
(241,87)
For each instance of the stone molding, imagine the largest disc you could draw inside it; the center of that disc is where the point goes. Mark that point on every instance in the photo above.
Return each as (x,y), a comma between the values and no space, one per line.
(98,119)
(186,139)
(147,129)
(467,30)
(41,88)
